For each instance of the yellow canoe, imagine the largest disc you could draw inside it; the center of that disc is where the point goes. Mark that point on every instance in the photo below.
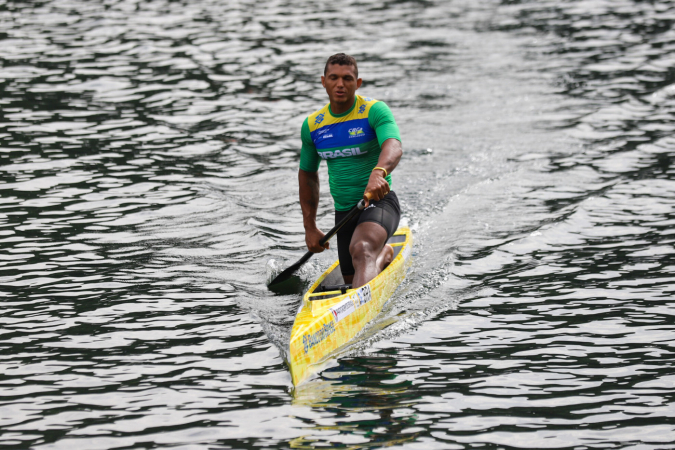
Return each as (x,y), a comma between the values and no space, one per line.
(331,314)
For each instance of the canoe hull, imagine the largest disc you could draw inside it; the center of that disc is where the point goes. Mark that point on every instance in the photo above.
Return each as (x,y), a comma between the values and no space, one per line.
(327,322)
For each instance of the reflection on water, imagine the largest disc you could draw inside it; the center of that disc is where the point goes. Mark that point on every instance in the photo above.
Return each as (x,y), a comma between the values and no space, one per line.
(148,159)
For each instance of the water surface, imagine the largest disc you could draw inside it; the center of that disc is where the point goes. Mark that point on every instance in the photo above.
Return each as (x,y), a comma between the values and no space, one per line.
(148,167)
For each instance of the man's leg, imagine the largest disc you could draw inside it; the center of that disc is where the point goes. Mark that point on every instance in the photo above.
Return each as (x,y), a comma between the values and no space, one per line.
(344,238)
(367,247)
(369,253)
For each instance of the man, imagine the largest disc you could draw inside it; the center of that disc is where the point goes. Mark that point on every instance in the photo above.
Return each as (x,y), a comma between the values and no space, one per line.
(361,143)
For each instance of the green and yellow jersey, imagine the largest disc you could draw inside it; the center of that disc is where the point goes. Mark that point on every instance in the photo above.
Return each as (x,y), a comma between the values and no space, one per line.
(350,143)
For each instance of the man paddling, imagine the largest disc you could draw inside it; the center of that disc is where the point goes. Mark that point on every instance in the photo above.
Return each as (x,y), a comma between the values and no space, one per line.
(361,143)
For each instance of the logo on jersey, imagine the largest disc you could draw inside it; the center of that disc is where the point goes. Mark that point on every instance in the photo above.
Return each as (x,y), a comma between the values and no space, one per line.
(319,119)
(355,132)
(362,109)
(326,136)
(342,153)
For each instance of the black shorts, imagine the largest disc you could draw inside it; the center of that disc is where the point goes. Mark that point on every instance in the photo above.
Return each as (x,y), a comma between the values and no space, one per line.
(386,212)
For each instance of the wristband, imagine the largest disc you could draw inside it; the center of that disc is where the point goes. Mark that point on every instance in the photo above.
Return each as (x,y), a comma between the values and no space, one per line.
(382,169)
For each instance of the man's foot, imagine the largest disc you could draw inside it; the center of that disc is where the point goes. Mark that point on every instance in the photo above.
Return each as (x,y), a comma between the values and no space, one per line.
(385,257)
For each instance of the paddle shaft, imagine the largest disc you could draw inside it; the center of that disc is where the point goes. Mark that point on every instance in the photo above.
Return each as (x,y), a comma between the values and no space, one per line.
(355,210)
(286,274)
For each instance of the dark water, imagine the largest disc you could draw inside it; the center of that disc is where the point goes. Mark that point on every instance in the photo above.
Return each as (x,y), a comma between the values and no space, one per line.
(148,160)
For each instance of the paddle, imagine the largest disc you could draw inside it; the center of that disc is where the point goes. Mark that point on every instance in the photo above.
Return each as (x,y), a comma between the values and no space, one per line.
(286,274)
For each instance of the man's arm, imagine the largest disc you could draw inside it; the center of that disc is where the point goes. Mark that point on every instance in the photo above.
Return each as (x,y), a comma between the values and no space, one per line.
(389,138)
(309,202)
(378,187)
(308,180)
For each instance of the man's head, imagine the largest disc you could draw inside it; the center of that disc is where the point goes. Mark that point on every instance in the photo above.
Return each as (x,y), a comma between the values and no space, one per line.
(341,59)
(341,80)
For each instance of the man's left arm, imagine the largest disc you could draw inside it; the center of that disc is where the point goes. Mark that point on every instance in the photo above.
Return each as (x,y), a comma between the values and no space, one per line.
(378,186)
(382,121)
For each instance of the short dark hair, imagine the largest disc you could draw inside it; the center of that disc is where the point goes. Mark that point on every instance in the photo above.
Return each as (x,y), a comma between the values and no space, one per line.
(342,60)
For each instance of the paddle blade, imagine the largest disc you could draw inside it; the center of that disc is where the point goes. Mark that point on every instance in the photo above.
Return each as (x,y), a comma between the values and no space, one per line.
(292,285)
(285,275)
(287,282)
(288,273)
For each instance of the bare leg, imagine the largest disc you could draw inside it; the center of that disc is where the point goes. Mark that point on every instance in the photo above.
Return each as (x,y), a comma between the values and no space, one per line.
(366,246)
(385,258)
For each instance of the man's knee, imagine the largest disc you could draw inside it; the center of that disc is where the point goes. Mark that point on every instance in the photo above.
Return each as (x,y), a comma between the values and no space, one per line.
(361,250)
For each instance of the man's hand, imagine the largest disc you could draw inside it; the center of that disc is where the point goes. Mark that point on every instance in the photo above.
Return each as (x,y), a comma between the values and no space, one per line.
(312,238)
(377,186)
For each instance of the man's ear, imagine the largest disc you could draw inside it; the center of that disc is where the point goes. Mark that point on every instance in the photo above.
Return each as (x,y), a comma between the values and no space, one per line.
(358,82)
(323,81)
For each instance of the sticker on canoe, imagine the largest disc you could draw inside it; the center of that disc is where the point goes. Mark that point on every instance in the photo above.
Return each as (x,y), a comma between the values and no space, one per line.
(351,303)
(342,309)
(361,296)
(312,339)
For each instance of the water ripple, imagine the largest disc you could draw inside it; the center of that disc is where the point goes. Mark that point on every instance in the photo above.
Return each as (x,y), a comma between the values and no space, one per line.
(148,164)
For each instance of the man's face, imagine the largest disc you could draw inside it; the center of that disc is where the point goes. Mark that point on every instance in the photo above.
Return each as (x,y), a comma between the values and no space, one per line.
(341,83)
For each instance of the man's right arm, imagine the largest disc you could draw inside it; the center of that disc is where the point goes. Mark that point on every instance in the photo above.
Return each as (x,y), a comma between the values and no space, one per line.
(309,202)
(308,181)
